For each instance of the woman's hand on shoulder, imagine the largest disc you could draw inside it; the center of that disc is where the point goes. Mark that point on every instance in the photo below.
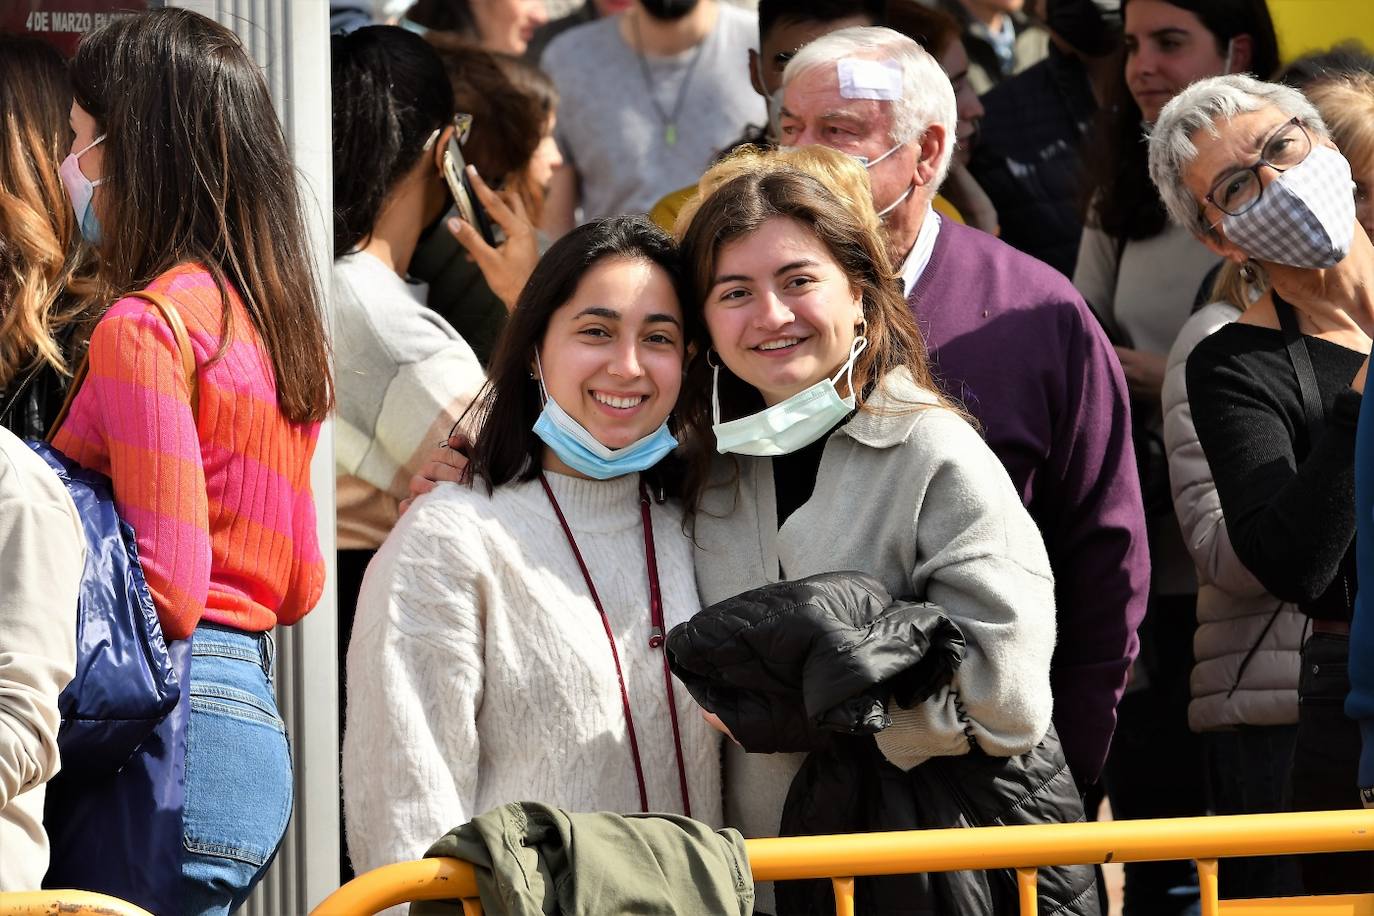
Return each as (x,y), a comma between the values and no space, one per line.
(507,266)
(448,461)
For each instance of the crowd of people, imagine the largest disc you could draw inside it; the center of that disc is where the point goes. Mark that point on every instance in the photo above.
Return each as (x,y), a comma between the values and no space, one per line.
(810,416)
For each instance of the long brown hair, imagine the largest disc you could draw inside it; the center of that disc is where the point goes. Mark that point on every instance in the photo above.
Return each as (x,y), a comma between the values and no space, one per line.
(198,171)
(775,189)
(512,104)
(38,260)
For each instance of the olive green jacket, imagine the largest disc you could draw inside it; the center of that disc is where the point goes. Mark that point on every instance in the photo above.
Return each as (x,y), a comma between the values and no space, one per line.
(536,860)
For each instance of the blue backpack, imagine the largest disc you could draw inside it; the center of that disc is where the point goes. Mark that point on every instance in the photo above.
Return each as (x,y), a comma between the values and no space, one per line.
(124,683)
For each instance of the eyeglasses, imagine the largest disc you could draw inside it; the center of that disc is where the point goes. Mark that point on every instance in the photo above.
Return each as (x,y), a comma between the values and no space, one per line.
(1239,190)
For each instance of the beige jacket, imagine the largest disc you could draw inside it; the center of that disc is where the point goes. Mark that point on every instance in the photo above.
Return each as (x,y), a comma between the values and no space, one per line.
(1237,618)
(42,550)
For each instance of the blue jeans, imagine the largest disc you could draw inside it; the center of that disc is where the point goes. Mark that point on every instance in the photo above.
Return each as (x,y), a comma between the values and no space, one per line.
(238,770)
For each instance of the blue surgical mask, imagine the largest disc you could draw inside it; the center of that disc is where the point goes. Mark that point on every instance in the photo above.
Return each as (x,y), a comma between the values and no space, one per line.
(81,190)
(791,424)
(581,451)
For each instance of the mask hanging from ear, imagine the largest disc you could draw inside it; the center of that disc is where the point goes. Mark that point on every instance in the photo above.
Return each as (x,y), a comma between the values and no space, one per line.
(791,424)
(581,451)
(81,190)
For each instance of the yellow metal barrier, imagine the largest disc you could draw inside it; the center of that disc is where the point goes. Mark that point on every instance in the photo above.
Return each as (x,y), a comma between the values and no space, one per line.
(65,903)
(842,858)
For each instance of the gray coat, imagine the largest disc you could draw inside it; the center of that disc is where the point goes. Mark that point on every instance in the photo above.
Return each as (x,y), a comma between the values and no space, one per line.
(1235,614)
(917,500)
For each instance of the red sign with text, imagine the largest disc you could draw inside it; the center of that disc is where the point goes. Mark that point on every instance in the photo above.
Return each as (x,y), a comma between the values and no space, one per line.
(62,22)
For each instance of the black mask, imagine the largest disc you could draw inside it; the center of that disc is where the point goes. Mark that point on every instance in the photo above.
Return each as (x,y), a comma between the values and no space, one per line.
(668,10)
(1090,27)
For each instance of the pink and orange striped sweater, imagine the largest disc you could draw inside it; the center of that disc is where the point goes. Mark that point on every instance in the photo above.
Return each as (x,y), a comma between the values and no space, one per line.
(222,508)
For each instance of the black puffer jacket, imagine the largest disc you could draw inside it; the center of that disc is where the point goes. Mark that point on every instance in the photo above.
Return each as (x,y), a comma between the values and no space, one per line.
(810,665)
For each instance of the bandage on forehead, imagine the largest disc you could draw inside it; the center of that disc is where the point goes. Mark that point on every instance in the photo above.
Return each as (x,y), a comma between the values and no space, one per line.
(880,80)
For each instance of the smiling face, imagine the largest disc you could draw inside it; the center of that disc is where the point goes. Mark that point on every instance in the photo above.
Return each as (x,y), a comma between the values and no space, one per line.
(781,312)
(1167,48)
(508,25)
(612,354)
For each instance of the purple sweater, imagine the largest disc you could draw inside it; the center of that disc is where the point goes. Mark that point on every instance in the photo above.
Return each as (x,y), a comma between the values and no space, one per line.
(1011,339)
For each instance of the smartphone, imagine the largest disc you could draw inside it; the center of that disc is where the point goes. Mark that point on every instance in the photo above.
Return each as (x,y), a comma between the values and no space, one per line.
(469,207)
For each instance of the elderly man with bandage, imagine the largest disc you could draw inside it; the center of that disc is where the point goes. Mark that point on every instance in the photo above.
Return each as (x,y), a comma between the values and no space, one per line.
(1013,341)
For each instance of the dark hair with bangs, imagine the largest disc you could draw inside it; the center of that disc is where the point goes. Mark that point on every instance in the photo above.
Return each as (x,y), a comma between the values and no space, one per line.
(740,207)
(505,447)
(198,172)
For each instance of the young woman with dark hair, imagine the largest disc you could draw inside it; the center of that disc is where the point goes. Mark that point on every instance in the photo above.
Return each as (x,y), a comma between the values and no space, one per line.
(509,636)
(182,181)
(404,375)
(44,274)
(1142,276)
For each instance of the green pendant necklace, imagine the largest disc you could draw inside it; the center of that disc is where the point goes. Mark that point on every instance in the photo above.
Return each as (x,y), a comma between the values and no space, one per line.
(669,121)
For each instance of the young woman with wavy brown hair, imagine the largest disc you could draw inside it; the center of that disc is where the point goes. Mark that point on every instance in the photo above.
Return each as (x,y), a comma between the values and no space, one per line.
(41,275)
(818,441)
(180,178)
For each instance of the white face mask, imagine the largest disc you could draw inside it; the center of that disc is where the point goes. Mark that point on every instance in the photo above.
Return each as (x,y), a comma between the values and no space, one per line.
(791,424)
(1305,217)
(869,163)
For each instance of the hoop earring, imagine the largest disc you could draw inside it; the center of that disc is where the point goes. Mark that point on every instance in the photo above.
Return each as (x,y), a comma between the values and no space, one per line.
(1248,272)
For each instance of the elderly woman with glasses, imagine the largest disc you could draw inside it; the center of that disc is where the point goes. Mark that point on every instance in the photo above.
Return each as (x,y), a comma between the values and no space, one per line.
(1249,167)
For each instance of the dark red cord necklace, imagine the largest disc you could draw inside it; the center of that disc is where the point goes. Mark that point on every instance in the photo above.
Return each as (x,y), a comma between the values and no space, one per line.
(655,640)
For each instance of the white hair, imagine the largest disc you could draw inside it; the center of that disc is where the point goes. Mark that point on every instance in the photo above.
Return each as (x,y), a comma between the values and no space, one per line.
(927,94)
(1207,105)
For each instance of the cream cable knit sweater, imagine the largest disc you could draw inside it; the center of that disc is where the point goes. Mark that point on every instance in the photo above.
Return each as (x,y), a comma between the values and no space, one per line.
(479,671)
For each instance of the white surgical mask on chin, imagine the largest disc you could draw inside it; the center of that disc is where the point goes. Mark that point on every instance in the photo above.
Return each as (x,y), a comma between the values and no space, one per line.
(1305,217)
(787,425)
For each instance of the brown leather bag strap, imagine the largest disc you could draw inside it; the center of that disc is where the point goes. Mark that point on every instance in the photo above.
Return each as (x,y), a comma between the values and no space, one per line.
(172,316)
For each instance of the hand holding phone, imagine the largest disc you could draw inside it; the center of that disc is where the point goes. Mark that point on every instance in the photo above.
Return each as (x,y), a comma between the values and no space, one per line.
(460,186)
(506,267)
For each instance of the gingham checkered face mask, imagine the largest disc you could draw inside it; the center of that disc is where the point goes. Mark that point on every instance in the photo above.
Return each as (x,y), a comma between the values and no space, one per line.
(1304,218)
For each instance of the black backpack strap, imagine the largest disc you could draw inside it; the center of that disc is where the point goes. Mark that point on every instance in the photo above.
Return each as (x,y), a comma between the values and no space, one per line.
(1302,366)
